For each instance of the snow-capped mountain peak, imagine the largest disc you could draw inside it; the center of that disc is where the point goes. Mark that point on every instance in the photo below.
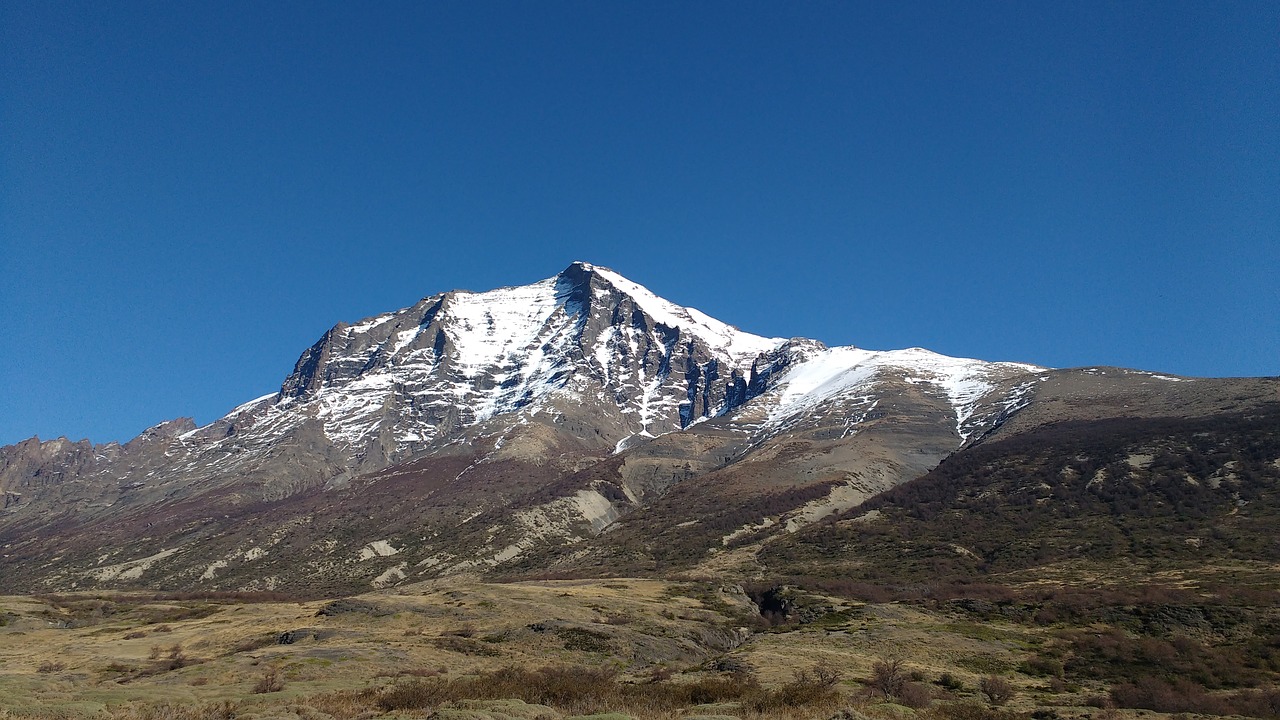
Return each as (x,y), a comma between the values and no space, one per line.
(738,344)
(586,354)
(460,358)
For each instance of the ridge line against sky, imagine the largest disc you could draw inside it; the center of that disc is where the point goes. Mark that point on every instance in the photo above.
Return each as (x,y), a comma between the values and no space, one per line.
(192,196)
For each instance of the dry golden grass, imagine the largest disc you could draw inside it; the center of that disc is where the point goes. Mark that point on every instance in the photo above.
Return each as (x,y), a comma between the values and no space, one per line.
(322,660)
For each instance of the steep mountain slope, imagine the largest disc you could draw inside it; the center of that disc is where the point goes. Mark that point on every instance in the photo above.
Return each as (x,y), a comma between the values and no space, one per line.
(1141,496)
(578,424)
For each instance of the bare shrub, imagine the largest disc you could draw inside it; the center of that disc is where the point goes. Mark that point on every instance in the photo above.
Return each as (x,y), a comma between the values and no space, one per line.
(51,666)
(466,631)
(134,635)
(888,676)
(270,682)
(709,690)
(915,695)
(1179,696)
(998,690)
(413,695)
(826,674)
(155,653)
(815,686)
(177,658)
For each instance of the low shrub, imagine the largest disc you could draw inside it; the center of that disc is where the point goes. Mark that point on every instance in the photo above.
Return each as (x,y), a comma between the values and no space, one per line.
(270,682)
(915,695)
(593,689)
(466,631)
(888,676)
(584,640)
(465,646)
(177,658)
(997,690)
(1185,696)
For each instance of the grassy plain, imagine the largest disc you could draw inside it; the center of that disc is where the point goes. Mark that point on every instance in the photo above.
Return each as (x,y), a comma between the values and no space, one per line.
(459,649)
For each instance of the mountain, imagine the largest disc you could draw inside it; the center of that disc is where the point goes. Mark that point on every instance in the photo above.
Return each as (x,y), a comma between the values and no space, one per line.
(1136,497)
(579,424)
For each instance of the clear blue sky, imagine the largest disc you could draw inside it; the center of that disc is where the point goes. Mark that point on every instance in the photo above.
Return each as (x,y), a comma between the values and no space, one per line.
(192,193)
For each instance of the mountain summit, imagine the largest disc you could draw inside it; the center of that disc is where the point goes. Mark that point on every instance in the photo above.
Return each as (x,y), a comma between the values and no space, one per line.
(453,360)
(558,424)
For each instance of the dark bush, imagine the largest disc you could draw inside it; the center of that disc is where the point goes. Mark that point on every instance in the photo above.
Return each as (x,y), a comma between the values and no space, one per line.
(1179,696)
(998,690)
(1042,667)
(915,695)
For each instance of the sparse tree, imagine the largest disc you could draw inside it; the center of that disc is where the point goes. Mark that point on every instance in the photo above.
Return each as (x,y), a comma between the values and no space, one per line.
(888,676)
(998,690)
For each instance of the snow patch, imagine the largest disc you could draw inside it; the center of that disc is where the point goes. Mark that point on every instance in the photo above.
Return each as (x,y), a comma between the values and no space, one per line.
(741,346)
(1169,378)
(843,371)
